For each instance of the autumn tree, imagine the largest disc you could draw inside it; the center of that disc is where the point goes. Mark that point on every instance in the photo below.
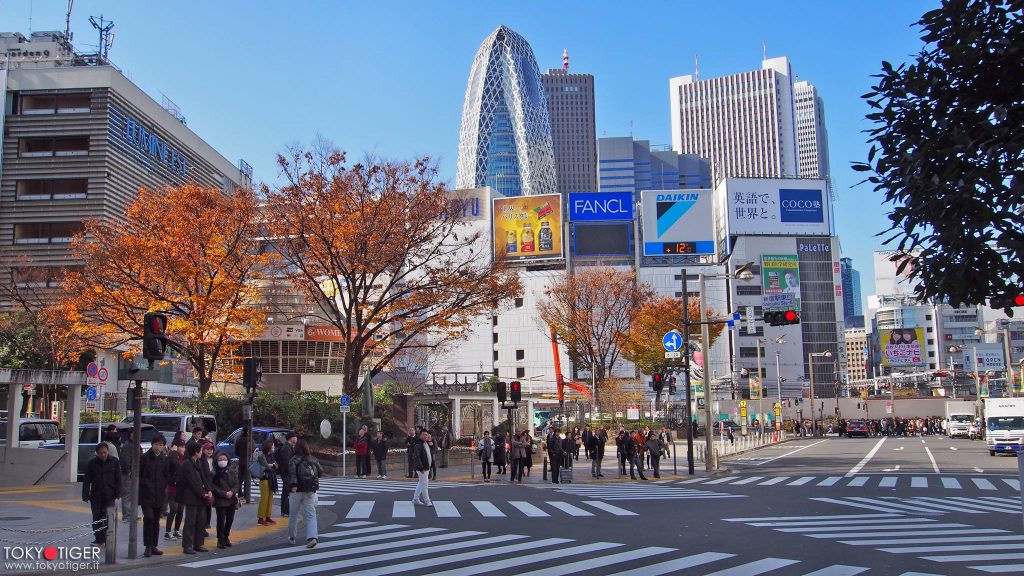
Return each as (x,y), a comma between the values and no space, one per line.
(591,311)
(37,332)
(642,345)
(382,254)
(190,252)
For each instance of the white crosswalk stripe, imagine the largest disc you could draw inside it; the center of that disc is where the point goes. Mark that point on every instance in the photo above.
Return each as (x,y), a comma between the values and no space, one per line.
(929,504)
(362,509)
(964,482)
(356,487)
(924,537)
(368,549)
(634,491)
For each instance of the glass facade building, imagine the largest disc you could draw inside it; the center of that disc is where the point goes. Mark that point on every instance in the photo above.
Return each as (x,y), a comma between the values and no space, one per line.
(505,141)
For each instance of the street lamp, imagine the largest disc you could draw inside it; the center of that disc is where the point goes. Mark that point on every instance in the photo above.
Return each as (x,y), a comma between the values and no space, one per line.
(810,364)
(760,381)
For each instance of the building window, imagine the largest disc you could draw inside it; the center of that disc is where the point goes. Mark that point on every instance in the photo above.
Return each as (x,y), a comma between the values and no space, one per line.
(494,320)
(520,354)
(52,189)
(495,337)
(520,372)
(519,302)
(495,355)
(48,147)
(931,341)
(748,290)
(34,104)
(929,330)
(46,232)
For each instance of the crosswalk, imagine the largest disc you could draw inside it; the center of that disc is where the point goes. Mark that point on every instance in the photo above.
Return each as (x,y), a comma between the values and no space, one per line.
(482,509)
(355,487)
(972,483)
(635,491)
(953,544)
(931,504)
(372,549)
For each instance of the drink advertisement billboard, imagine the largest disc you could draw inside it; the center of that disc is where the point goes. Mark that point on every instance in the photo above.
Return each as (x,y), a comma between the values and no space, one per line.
(528,227)
(775,206)
(600,206)
(902,347)
(780,282)
(677,222)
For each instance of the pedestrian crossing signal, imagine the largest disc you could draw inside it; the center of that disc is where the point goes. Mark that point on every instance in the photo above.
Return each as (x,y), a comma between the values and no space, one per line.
(502,392)
(516,391)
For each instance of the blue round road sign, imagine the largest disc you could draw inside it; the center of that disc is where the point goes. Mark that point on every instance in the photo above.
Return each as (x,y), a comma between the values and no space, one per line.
(90,394)
(345,400)
(672,340)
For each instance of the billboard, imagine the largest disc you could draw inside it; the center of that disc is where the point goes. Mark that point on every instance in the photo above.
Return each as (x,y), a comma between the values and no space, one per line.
(990,357)
(902,347)
(677,222)
(775,206)
(890,282)
(780,282)
(600,206)
(471,203)
(602,239)
(528,227)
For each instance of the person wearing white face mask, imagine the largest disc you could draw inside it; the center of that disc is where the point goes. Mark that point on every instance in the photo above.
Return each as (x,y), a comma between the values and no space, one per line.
(225,497)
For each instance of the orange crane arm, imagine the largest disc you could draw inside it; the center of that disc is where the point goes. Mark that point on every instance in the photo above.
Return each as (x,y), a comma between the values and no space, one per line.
(562,383)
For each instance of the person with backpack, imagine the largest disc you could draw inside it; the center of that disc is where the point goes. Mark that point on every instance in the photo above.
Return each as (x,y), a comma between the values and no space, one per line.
(379,449)
(306,472)
(224,486)
(485,452)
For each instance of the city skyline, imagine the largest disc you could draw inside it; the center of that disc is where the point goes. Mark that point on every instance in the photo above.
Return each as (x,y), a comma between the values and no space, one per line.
(400,107)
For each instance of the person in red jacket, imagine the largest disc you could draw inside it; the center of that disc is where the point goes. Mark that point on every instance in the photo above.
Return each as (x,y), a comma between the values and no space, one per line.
(362,447)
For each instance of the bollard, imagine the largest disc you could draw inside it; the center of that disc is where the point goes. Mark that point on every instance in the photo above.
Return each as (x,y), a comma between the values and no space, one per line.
(110,549)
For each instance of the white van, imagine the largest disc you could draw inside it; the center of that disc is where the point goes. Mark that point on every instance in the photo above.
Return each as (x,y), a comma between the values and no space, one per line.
(33,433)
(170,423)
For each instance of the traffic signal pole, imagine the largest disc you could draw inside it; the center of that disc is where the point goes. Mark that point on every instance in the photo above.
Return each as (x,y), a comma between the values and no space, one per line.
(690,428)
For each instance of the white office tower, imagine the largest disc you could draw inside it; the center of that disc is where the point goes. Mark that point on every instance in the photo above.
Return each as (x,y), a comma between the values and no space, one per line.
(747,123)
(811,135)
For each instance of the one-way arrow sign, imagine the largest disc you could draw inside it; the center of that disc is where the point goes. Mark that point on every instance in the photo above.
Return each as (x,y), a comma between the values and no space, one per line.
(672,340)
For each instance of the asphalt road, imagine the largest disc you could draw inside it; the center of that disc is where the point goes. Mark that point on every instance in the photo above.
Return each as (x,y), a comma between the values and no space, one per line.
(821,507)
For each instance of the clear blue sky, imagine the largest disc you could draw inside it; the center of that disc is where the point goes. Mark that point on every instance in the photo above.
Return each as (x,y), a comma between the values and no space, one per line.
(389,77)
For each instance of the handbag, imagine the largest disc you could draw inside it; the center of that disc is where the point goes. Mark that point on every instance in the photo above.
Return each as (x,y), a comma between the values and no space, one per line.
(256,469)
(208,498)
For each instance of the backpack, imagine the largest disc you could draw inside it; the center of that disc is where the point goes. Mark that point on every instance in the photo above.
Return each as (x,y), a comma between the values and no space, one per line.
(306,476)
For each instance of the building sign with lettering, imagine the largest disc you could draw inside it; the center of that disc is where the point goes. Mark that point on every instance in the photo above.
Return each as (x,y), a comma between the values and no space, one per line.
(775,206)
(600,206)
(146,145)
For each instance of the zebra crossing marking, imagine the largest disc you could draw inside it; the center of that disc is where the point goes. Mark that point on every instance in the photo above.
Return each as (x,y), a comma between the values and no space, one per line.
(888,482)
(983,484)
(919,482)
(756,567)
(928,504)
(932,540)
(774,481)
(593,563)
(635,492)
(999,568)
(570,509)
(403,509)
(838,570)
(487,510)
(674,566)
(609,508)
(514,559)
(363,509)
(747,480)
(529,509)
(952,483)
(858,481)
(830,481)
(722,480)
(1013,483)
(445,509)
(801,481)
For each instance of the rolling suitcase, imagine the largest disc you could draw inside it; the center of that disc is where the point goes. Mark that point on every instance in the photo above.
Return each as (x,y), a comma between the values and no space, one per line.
(565,475)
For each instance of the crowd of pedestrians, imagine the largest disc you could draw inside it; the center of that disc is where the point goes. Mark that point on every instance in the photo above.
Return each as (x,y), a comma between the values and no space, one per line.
(912,426)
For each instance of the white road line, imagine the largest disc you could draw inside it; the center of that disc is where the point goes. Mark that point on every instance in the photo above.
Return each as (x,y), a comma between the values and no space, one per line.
(487,509)
(798,518)
(830,481)
(974,557)
(983,484)
(747,480)
(675,566)
(964,548)
(1012,483)
(789,453)
(887,542)
(599,562)
(1000,568)
(774,481)
(361,509)
(403,509)
(801,481)
(963,532)
(691,481)
(528,509)
(838,570)
(932,458)
(866,459)
(919,482)
(908,524)
(446,509)
(609,508)
(756,567)
(721,480)
(856,504)
(516,560)
(927,504)
(951,483)
(971,506)
(887,482)
(919,574)
(858,481)
(896,505)
(570,509)
(843,522)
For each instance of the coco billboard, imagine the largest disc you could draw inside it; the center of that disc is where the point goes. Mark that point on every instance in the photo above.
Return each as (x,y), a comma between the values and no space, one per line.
(775,206)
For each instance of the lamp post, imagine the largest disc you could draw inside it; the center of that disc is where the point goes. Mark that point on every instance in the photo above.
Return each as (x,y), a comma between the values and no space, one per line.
(810,366)
(760,381)
(778,388)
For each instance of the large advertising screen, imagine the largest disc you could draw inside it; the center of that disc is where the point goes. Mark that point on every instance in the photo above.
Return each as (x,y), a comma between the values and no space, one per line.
(889,281)
(902,347)
(597,206)
(528,227)
(677,222)
(780,282)
(594,239)
(768,206)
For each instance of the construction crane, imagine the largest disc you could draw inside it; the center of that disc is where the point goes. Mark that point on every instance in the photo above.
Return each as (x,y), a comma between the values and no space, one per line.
(560,380)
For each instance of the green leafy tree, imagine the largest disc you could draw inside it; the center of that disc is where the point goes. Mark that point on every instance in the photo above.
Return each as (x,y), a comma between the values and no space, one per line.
(947,150)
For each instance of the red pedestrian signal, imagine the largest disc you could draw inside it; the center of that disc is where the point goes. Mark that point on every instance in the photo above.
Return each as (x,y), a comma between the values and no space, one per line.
(154,340)
(516,391)
(657,381)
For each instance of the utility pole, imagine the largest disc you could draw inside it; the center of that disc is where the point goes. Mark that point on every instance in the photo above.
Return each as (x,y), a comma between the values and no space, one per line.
(690,428)
(705,334)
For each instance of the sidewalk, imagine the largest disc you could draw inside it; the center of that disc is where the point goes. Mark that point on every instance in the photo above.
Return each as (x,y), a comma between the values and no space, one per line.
(55,516)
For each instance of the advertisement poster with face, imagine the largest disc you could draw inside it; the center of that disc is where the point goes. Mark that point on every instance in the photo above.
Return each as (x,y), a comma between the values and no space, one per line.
(528,227)
(780,282)
(902,346)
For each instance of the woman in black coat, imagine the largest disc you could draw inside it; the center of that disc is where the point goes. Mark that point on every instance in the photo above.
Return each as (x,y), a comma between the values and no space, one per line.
(499,452)
(191,493)
(225,497)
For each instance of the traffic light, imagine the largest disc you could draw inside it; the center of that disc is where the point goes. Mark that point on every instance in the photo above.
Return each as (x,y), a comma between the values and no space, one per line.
(252,373)
(154,340)
(502,392)
(1005,301)
(657,381)
(782,318)
(515,391)
(672,385)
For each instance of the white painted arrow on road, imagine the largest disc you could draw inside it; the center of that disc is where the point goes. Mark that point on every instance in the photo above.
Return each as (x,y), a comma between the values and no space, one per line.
(900,448)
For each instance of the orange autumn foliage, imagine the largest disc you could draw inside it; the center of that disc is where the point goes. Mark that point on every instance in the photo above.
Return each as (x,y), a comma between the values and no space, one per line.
(643,346)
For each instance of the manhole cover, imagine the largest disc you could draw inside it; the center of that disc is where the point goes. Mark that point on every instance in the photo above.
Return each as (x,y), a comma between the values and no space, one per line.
(10,518)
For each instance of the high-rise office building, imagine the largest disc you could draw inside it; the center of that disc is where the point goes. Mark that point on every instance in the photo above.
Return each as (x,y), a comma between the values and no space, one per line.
(851,289)
(627,165)
(811,135)
(573,135)
(505,141)
(747,125)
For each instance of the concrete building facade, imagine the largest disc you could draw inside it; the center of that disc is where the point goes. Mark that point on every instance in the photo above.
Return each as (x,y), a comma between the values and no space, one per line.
(570,98)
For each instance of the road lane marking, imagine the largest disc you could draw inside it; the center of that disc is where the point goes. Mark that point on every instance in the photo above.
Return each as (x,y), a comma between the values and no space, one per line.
(789,453)
(932,458)
(893,469)
(486,509)
(983,484)
(829,481)
(1000,568)
(887,482)
(747,480)
(964,548)
(952,447)
(918,482)
(594,563)
(866,459)
(858,481)
(403,509)
(609,508)
(1012,483)
(756,567)
(774,481)
(953,539)
(973,557)
(361,509)
(674,566)
(951,483)
(528,509)
(446,509)
(978,470)
(721,480)
(801,481)
(515,559)
(570,509)
(838,570)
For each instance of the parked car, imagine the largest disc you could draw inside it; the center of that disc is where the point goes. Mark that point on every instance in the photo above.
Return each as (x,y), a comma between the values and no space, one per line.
(33,433)
(170,423)
(857,428)
(89,433)
(259,434)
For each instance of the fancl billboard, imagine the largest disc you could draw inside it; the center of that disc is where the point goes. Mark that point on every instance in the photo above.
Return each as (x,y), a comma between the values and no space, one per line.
(774,206)
(677,222)
(600,206)
(528,228)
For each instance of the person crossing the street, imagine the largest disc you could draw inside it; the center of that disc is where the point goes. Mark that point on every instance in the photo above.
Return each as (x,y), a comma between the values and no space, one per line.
(305,472)
(422,460)
(282,456)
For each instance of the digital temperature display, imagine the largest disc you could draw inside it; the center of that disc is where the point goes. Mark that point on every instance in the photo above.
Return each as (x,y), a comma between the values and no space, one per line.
(680,248)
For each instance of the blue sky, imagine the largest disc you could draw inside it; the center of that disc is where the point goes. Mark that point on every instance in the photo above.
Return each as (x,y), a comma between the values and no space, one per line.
(389,77)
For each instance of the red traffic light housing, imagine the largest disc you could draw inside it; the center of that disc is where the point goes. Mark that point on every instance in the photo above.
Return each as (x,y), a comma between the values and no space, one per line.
(515,391)
(154,339)
(502,391)
(657,381)
(782,317)
(252,373)
(1006,301)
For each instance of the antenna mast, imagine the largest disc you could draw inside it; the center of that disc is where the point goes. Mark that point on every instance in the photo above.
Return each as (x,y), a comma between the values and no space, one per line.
(106,38)
(565,59)
(67,25)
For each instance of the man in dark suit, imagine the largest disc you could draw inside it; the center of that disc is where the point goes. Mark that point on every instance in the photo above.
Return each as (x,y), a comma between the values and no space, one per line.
(154,475)
(101,488)
(555,454)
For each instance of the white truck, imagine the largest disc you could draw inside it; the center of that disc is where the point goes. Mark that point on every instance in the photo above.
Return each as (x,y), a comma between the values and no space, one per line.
(1004,424)
(959,415)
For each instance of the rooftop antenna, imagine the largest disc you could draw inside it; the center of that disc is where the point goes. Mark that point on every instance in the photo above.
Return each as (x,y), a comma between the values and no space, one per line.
(565,59)
(67,24)
(696,66)
(764,50)
(106,38)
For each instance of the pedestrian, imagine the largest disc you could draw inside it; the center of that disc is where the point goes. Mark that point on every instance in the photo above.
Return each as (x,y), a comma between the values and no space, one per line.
(175,511)
(485,453)
(243,450)
(445,443)
(666,442)
(180,435)
(499,452)
(196,439)
(422,461)
(654,449)
(379,449)
(193,493)
(154,477)
(528,458)
(568,449)
(282,456)
(556,455)
(587,438)
(410,445)
(597,441)
(225,497)
(101,488)
(621,453)
(633,446)
(577,441)
(361,446)
(306,471)
(263,467)
(517,452)
(208,468)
